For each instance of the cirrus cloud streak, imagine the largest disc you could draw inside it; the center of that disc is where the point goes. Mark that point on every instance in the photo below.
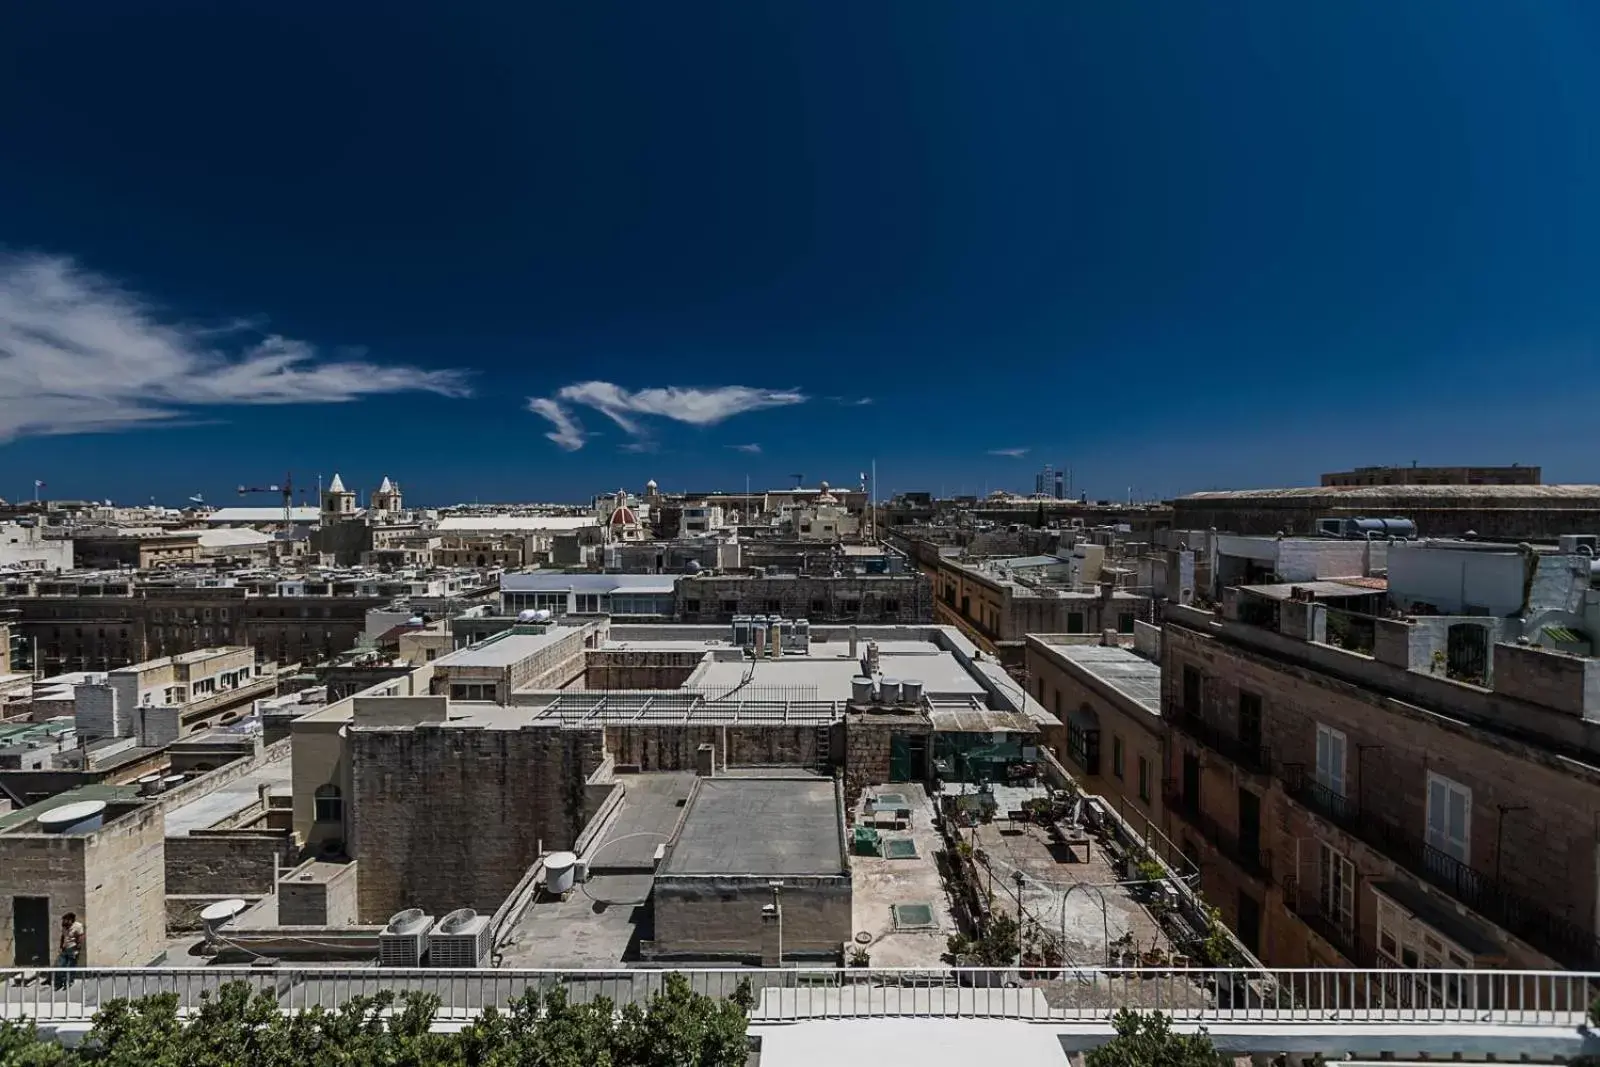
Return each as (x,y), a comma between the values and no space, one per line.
(81,354)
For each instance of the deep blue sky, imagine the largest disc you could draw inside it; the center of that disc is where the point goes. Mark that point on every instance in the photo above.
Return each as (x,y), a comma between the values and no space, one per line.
(1174,245)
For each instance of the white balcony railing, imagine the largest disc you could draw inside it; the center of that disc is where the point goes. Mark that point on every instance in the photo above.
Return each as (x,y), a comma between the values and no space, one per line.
(1214,996)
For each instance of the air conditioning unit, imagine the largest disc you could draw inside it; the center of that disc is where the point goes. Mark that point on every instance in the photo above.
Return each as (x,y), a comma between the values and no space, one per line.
(404,942)
(462,939)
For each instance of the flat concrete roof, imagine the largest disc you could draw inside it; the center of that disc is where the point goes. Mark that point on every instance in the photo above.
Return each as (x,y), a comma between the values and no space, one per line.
(1135,677)
(222,803)
(503,651)
(759,827)
(826,673)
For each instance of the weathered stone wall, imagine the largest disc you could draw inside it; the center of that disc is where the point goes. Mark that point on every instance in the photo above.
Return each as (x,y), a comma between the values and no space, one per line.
(1569,684)
(1532,812)
(40,865)
(444,817)
(125,891)
(229,862)
(639,669)
(330,898)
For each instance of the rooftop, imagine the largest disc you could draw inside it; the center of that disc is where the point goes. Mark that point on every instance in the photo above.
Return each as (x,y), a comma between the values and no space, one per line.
(600,923)
(1420,494)
(759,827)
(19,819)
(208,809)
(825,673)
(504,649)
(528,523)
(1117,668)
(558,581)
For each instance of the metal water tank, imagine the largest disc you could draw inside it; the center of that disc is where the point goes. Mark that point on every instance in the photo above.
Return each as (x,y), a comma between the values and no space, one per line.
(78,818)
(911,692)
(150,785)
(889,691)
(558,872)
(861,690)
(741,631)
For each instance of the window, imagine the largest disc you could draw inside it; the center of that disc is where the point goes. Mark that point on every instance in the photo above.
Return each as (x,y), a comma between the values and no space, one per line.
(730,607)
(588,603)
(430,654)
(1405,941)
(1330,759)
(1116,755)
(1125,622)
(1192,685)
(328,805)
(1336,889)
(1144,779)
(891,607)
(1449,817)
(1074,622)
(1058,703)
(851,607)
(819,607)
(691,607)
(773,607)
(1083,742)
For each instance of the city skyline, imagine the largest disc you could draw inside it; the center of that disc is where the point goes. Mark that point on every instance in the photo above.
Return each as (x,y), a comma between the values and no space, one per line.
(958,244)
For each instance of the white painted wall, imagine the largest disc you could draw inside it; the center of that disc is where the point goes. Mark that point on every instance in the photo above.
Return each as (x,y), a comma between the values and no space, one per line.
(22,546)
(1452,579)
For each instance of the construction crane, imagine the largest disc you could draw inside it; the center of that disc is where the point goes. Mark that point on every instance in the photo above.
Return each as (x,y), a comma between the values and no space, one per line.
(287,489)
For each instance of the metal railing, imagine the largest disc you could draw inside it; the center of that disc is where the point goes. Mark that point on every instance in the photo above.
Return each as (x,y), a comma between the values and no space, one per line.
(1250,856)
(1232,995)
(1560,938)
(1248,754)
(1307,907)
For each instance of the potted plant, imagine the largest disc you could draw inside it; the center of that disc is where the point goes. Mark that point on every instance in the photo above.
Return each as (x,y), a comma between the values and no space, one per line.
(860,957)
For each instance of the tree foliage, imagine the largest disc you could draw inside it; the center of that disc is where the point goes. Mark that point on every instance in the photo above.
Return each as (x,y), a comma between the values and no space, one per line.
(240,1027)
(1147,1040)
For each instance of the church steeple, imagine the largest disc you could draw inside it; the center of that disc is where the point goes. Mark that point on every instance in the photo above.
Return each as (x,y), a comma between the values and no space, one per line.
(387,499)
(338,503)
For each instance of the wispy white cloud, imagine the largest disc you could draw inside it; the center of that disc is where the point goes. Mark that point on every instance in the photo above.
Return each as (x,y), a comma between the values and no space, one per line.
(1014,453)
(81,354)
(753,449)
(637,446)
(568,433)
(851,401)
(629,408)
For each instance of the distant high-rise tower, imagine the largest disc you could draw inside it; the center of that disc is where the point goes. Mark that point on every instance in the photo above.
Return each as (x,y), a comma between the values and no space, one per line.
(1045,480)
(1061,492)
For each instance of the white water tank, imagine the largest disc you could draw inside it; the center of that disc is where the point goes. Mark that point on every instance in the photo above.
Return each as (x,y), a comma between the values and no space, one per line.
(861,690)
(150,785)
(78,818)
(889,691)
(911,692)
(559,870)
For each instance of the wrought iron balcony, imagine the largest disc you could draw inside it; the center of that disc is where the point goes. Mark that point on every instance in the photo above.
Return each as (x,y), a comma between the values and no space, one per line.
(1304,902)
(1250,857)
(1557,937)
(1251,756)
